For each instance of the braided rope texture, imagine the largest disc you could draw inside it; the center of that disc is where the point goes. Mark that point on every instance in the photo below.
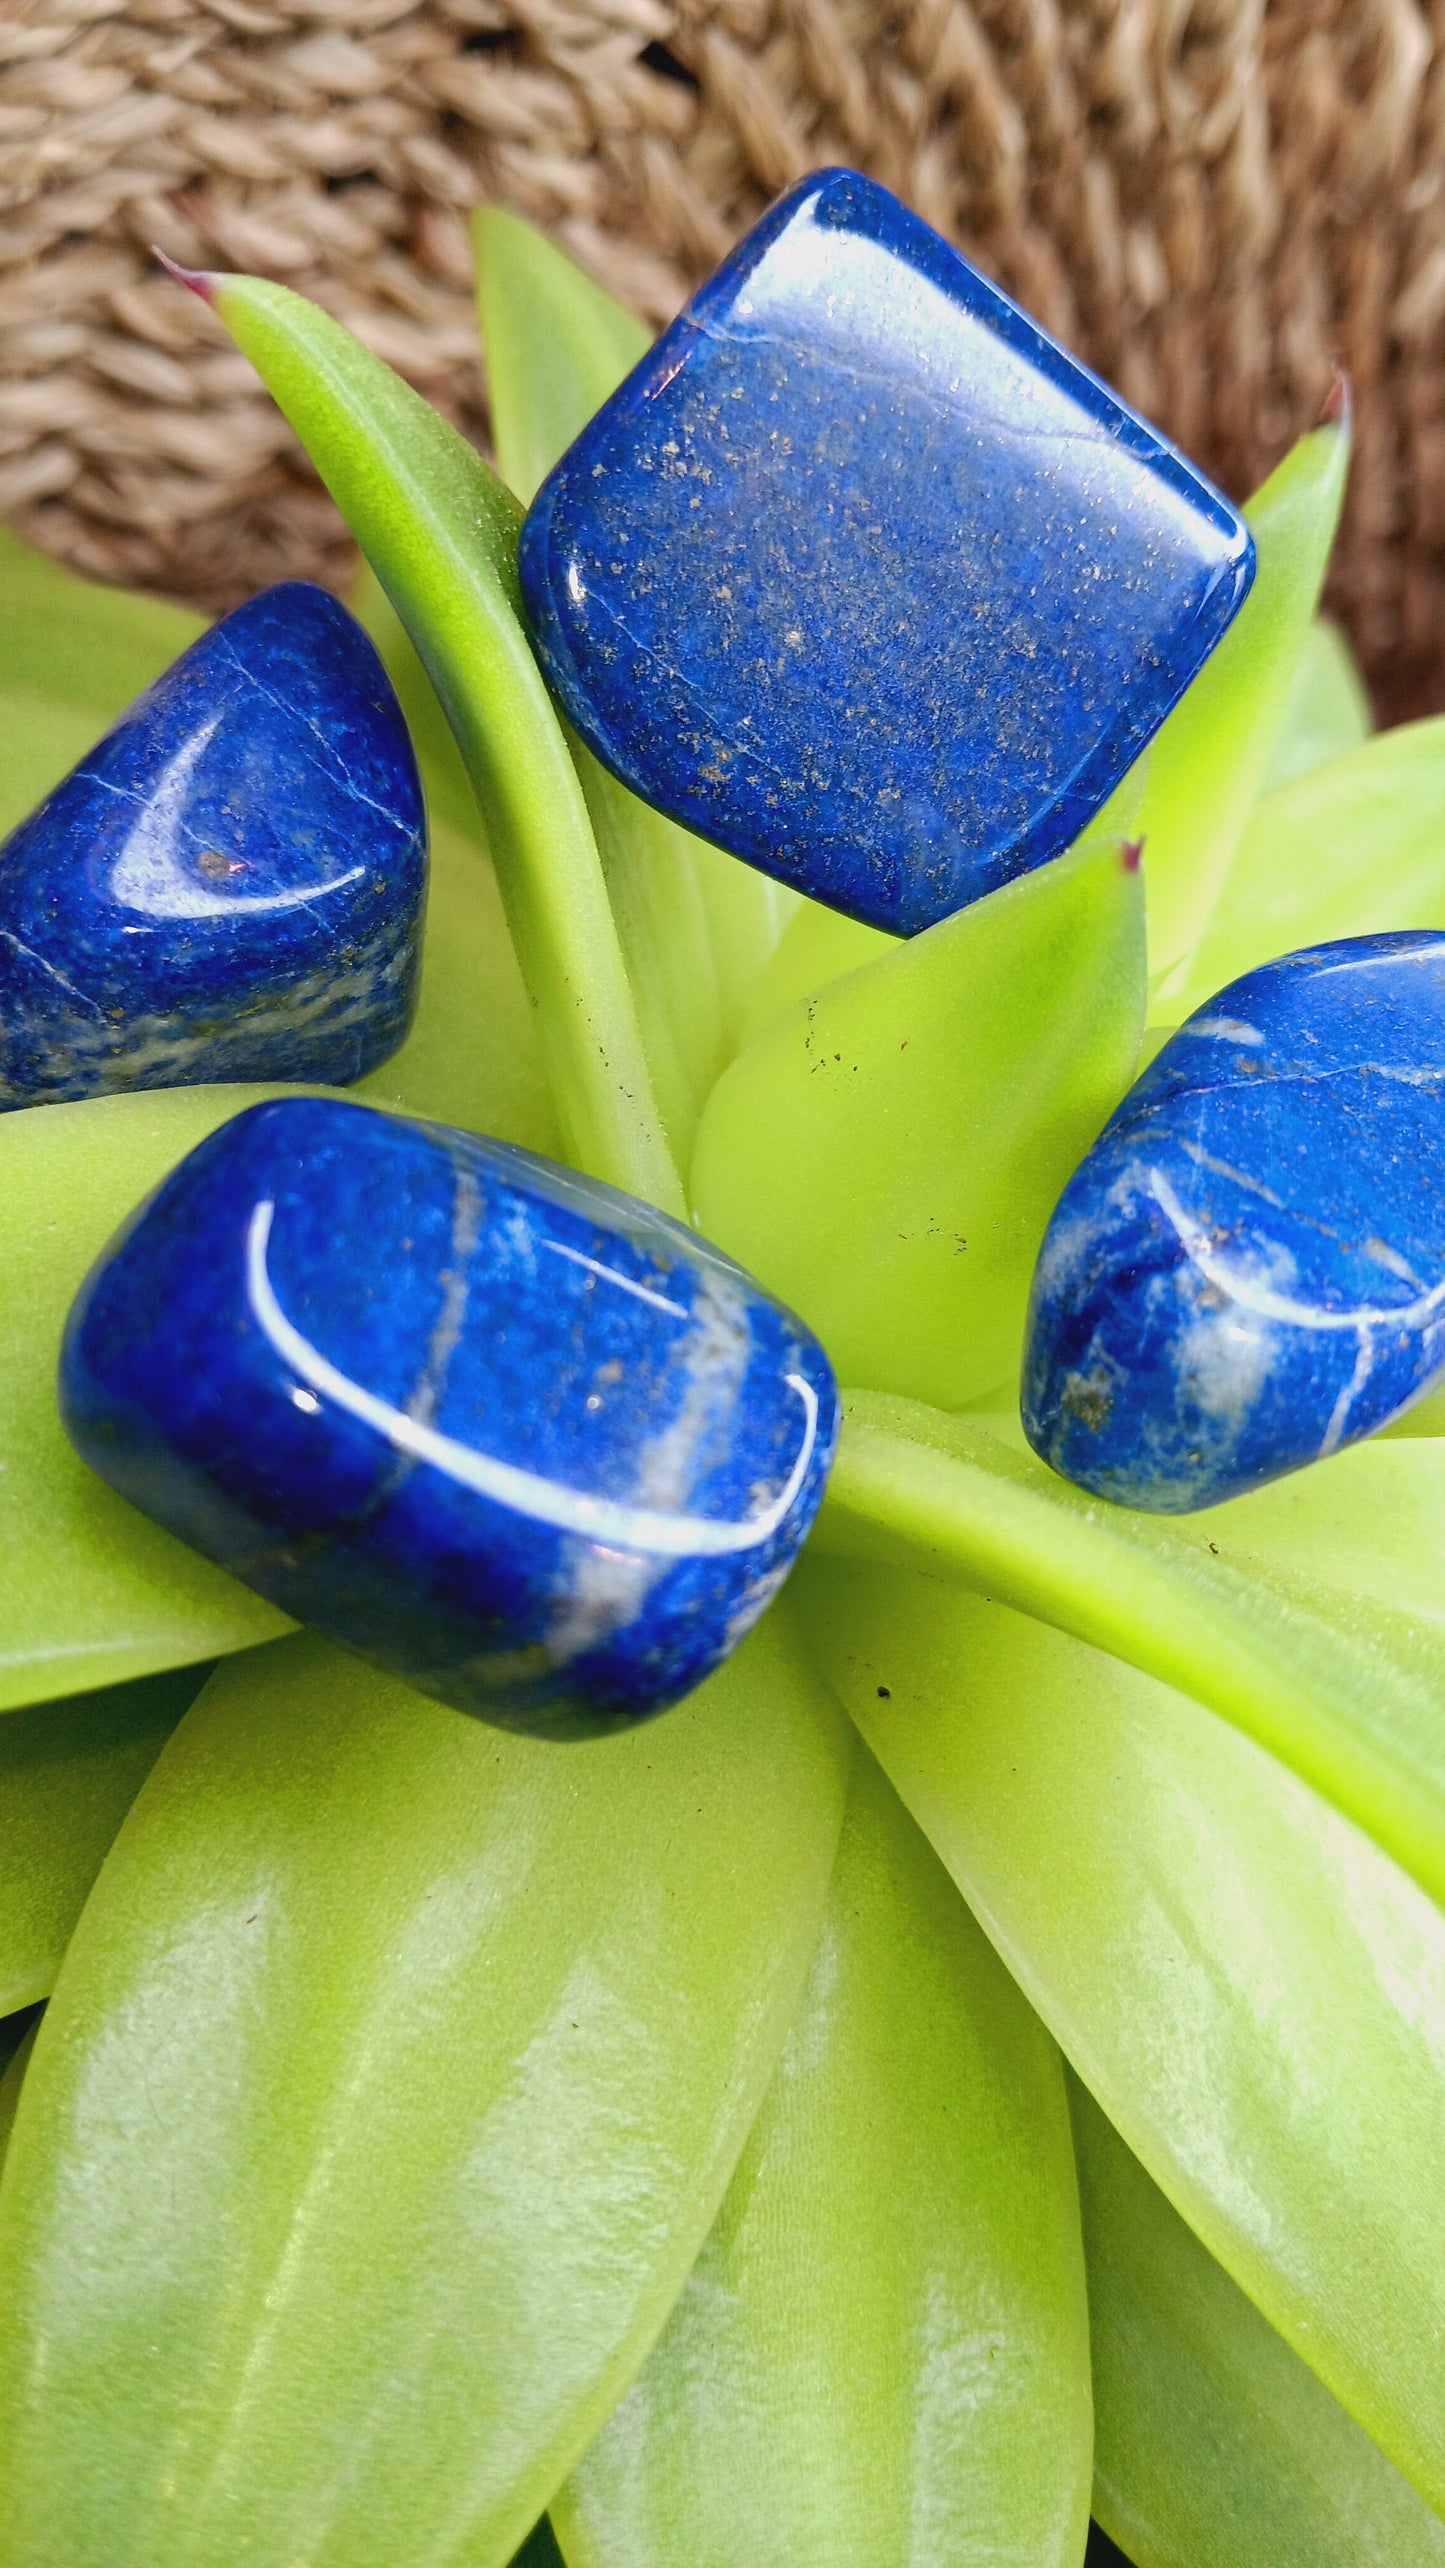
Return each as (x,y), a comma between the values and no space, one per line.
(1214,201)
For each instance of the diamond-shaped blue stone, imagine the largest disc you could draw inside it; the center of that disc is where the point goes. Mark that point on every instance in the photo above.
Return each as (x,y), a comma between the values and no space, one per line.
(1248,1270)
(231,885)
(862,576)
(520,1438)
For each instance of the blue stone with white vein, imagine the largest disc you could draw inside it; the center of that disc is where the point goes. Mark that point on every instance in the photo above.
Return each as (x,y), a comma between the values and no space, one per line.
(513,1435)
(864,577)
(1248,1270)
(231,885)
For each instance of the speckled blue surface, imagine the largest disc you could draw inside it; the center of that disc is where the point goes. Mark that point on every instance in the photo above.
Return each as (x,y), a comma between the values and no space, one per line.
(1248,1270)
(862,576)
(514,1435)
(231,885)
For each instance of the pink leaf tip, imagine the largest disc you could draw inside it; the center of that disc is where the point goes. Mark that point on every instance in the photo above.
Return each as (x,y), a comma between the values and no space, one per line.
(199,280)
(1336,407)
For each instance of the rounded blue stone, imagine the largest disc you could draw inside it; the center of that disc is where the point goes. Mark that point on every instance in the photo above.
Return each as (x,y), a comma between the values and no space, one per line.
(231,885)
(1248,1270)
(863,576)
(517,1437)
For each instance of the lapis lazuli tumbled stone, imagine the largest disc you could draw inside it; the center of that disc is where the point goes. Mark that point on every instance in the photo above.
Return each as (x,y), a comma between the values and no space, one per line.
(1248,1270)
(520,1438)
(862,576)
(231,885)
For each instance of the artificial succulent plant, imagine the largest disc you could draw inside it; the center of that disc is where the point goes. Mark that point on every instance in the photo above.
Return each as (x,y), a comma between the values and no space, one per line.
(431,2126)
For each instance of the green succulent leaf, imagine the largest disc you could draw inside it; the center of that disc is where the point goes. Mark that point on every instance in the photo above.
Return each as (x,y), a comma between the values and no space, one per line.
(440,531)
(747,914)
(91,1592)
(1426,1418)
(1351,849)
(882,2351)
(556,344)
(817,946)
(72,657)
(1327,711)
(73,643)
(40,741)
(449,796)
(1206,764)
(886,1155)
(1341,1683)
(653,878)
(391,2084)
(472,1056)
(665,933)
(1368,1524)
(1214,2445)
(1253,1992)
(69,1772)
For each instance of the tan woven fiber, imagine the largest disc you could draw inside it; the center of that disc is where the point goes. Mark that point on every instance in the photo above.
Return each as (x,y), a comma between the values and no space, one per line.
(1212,199)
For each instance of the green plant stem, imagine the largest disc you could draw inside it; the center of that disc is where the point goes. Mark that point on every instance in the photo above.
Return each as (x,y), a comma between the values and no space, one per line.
(1342,1690)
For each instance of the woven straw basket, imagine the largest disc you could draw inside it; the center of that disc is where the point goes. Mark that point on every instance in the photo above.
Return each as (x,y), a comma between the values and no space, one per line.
(1214,200)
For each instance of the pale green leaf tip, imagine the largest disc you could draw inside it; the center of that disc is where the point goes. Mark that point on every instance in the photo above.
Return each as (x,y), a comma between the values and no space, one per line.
(1324,449)
(500,237)
(1338,409)
(490,222)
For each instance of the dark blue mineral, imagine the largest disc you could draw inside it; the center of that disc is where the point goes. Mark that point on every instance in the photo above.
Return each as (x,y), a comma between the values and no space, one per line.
(520,1438)
(231,885)
(1248,1270)
(862,576)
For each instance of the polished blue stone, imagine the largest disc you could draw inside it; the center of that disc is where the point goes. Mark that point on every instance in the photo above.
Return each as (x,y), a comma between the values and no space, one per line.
(1248,1270)
(862,576)
(231,884)
(520,1438)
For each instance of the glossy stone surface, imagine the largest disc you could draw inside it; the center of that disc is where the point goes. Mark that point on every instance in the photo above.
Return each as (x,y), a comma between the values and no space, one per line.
(1248,1270)
(860,575)
(518,1437)
(231,885)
